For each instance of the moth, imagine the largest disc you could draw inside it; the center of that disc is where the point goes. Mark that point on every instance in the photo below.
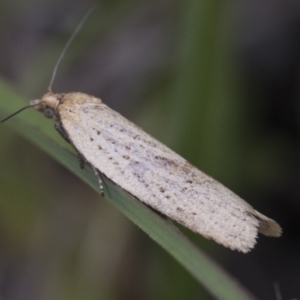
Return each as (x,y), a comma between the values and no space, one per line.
(150,171)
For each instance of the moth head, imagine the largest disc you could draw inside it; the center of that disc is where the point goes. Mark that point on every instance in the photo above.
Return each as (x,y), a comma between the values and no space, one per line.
(48,104)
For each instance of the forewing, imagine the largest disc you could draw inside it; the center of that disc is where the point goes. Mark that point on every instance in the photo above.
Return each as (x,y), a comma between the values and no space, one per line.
(158,176)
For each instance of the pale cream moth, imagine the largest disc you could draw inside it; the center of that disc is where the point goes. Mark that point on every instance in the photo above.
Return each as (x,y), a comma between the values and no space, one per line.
(152,172)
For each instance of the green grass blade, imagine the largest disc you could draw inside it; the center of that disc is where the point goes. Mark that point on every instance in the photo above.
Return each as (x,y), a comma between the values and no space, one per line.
(31,125)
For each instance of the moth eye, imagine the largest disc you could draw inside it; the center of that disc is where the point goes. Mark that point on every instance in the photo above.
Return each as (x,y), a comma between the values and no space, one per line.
(48,112)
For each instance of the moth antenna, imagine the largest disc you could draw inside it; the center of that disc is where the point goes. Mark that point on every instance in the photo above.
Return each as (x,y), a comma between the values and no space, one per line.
(15,113)
(79,26)
(62,54)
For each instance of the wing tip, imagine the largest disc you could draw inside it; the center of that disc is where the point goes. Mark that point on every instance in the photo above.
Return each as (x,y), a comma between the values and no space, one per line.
(264,225)
(268,226)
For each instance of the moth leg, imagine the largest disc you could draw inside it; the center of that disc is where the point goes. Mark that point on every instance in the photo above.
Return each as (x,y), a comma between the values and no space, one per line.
(60,129)
(100,181)
(81,159)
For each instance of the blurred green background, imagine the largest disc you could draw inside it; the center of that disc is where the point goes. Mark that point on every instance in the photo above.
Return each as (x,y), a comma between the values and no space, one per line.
(216,81)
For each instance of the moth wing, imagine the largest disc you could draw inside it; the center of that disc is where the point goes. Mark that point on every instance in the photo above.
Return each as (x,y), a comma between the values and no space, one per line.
(161,178)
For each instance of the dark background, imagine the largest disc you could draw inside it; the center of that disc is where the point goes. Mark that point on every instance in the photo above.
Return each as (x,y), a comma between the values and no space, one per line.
(217,81)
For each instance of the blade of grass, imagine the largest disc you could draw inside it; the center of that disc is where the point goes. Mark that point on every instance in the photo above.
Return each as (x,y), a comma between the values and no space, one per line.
(217,282)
